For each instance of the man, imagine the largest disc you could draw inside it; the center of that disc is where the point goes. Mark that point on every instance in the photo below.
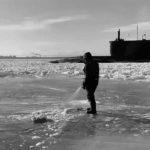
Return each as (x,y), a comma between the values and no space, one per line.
(90,83)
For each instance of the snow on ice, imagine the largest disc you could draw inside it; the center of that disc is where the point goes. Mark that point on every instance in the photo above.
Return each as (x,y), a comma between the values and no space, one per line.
(43,68)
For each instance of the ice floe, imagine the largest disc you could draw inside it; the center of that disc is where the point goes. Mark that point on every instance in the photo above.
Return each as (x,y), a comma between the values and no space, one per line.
(43,68)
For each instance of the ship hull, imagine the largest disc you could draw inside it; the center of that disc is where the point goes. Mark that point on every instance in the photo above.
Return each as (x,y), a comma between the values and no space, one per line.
(130,50)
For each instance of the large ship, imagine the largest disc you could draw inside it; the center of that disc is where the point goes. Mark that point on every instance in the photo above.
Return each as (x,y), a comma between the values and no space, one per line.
(132,50)
(121,51)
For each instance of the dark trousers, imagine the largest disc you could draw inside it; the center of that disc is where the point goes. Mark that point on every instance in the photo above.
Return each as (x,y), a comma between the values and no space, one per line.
(90,88)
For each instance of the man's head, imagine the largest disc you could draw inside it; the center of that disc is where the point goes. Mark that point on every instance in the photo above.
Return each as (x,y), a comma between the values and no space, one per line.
(87,57)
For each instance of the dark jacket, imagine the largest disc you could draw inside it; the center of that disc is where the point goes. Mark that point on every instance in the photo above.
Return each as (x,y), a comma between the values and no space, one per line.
(91,71)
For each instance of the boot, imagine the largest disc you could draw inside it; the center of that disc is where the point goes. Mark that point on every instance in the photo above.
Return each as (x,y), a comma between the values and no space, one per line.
(91,111)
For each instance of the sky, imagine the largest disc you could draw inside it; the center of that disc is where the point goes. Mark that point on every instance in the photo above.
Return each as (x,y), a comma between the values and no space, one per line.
(69,27)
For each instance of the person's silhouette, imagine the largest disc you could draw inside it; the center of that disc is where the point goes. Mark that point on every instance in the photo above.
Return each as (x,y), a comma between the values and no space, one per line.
(90,82)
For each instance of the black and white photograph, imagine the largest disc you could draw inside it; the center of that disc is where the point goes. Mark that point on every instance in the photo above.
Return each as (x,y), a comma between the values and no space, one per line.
(74,74)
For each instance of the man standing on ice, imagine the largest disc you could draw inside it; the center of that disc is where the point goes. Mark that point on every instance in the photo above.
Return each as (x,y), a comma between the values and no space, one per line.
(90,83)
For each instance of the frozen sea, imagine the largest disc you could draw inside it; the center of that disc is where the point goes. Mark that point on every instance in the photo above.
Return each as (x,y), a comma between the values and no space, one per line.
(122,122)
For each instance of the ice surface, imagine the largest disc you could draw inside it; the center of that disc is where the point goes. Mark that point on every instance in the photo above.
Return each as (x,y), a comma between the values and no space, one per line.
(123,110)
(42,68)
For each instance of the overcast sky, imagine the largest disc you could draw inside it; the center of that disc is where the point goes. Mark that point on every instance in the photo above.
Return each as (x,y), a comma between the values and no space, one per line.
(69,27)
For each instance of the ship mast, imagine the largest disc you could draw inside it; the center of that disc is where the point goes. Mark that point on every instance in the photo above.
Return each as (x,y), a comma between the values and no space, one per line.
(137,32)
(119,35)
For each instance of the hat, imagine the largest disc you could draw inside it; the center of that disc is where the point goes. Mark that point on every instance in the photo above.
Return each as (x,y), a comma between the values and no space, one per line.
(87,56)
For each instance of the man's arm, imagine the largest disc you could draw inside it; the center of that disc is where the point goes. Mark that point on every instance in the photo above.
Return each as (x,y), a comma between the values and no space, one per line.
(86,72)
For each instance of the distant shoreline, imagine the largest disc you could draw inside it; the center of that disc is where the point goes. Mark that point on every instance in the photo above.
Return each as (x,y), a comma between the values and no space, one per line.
(79,59)
(5,57)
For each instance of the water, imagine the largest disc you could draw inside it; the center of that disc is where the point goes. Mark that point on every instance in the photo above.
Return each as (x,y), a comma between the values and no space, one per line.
(123,120)
(75,94)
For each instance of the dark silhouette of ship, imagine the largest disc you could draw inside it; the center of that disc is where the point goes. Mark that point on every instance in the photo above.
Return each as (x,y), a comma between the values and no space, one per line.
(121,51)
(134,50)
